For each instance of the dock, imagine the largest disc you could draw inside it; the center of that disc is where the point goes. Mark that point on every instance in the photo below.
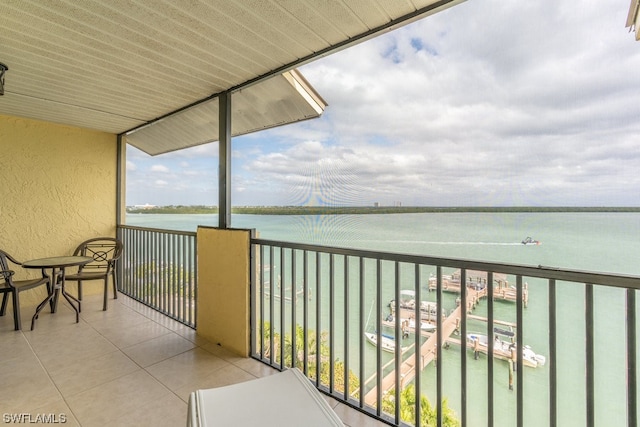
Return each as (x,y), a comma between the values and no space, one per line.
(427,351)
(477,280)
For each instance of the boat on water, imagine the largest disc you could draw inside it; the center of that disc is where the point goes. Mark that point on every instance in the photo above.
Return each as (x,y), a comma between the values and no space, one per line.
(425,326)
(387,342)
(428,310)
(505,350)
(408,324)
(530,241)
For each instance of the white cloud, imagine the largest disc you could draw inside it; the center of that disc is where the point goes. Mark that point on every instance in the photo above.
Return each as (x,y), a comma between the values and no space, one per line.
(486,103)
(159,168)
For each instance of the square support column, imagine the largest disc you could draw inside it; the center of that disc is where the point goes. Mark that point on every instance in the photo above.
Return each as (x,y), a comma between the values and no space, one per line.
(224,159)
(223,287)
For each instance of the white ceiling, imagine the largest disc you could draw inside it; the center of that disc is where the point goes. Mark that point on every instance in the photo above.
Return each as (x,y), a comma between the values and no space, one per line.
(119,64)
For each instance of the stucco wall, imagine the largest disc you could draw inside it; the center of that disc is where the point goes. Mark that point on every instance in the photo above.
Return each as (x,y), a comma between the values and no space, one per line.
(58,188)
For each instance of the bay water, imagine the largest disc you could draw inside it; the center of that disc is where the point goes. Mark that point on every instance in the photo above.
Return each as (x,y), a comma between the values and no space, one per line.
(598,242)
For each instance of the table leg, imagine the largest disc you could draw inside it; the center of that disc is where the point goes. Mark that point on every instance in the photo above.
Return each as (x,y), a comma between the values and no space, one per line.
(70,298)
(52,298)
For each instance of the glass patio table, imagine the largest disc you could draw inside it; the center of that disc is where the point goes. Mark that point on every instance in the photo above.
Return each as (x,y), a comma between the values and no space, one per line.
(57,265)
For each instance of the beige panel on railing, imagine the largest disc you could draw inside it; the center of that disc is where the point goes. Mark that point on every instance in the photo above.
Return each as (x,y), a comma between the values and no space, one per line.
(223,288)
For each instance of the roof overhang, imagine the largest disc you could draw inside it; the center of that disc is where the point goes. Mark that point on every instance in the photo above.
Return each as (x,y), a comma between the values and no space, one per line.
(280,100)
(633,19)
(118,66)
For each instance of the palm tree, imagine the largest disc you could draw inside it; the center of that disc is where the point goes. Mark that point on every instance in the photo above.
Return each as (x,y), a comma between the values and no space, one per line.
(428,414)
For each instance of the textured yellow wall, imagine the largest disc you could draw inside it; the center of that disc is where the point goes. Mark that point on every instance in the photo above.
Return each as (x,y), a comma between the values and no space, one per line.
(58,188)
(223,287)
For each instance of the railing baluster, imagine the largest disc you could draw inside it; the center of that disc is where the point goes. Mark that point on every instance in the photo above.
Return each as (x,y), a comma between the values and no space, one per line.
(162,242)
(147,272)
(347,331)
(553,368)
(361,333)
(283,286)
(520,348)
(271,305)
(318,318)
(590,355)
(463,345)
(262,300)
(177,276)
(305,312)
(156,271)
(194,278)
(417,334)
(440,339)
(379,337)
(490,354)
(294,311)
(183,278)
(254,316)
(632,396)
(331,322)
(399,336)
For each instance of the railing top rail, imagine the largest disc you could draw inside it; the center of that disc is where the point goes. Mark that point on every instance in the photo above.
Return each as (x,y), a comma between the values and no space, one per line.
(540,271)
(158,230)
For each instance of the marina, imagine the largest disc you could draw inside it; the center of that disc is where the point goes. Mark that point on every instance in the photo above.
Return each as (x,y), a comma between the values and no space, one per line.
(503,349)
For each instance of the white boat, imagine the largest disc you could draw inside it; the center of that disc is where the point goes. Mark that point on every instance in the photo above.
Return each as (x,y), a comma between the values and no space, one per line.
(425,326)
(530,241)
(407,302)
(503,350)
(388,343)
(408,324)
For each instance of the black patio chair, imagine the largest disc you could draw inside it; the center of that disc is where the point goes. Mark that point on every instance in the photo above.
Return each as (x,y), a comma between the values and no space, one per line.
(9,285)
(105,251)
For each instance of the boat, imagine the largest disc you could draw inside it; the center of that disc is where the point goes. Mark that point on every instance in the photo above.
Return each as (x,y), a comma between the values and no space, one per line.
(388,343)
(502,349)
(425,326)
(408,324)
(530,241)
(428,310)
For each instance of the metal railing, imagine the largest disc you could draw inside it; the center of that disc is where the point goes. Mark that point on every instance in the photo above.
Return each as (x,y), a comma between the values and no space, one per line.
(324,309)
(158,268)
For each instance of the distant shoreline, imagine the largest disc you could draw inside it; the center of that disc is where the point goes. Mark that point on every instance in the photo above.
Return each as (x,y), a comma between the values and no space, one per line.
(364,210)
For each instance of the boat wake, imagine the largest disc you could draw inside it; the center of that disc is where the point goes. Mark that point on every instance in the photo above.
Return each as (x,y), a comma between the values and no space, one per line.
(429,242)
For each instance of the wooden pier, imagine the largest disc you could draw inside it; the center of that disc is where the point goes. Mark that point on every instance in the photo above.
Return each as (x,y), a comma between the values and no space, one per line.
(427,351)
(477,280)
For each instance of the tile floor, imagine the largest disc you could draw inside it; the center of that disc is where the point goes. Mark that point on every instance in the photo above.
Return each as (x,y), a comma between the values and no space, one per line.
(128,366)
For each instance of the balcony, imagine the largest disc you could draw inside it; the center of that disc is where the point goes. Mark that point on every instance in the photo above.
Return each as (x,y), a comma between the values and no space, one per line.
(140,359)
(343,294)
(129,365)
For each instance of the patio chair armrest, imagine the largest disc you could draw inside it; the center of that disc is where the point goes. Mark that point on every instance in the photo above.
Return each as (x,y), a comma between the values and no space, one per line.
(12,259)
(7,273)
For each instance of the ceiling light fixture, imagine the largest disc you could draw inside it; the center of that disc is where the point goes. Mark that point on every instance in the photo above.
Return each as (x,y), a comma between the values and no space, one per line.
(3,68)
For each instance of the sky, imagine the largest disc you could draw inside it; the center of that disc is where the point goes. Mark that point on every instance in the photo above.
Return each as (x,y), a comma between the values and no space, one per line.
(489,103)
